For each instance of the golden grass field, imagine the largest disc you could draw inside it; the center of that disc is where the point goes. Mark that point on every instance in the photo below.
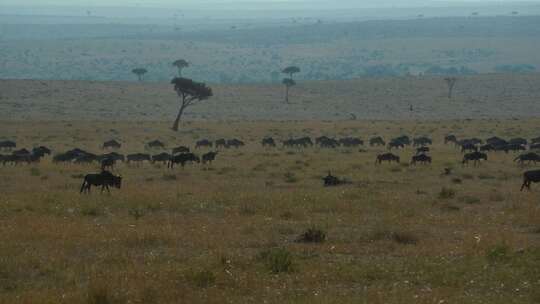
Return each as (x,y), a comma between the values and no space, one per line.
(225,233)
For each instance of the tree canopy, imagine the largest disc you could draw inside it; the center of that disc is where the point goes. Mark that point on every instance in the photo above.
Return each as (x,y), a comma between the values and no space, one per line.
(190,92)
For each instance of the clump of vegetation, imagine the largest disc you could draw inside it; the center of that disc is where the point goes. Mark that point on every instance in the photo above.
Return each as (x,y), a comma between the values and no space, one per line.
(498,254)
(92,211)
(312,235)
(201,279)
(137,212)
(35,171)
(277,260)
(447,193)
(290,178)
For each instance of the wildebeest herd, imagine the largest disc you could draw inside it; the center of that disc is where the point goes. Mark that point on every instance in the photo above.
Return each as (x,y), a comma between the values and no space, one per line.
(474,151)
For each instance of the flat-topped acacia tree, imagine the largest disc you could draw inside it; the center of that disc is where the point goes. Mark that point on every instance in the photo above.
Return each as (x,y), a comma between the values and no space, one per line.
(288,82)
(139,72)
(190,93)
(180,64)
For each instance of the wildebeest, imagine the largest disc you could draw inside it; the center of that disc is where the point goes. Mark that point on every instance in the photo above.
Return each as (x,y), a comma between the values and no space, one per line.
(69,156)
(513,148)
(487,147)
(161,158)
(22,151)
(16,159)
(113,155)
(351,142)
(203,143)
(331,180)
(535,146)
(180,149)
(327,142)
(535,140)
(518,141)
(469,141)
(236,143)
(468,147)
(182,159)
(221,143)
(404,139)
(268,142)
(530,177)
(422,141)
(112,144)
(298,142)
(107,163)
(422,158)
(421,150)
(138,157)
(209,157)
(450,138)
(87,158)
(7,145)
(395,144)
(494,140)
(475,157)
(41,151)
(528,157)
(103,179)
(377,141)
(389,157)
(155,144)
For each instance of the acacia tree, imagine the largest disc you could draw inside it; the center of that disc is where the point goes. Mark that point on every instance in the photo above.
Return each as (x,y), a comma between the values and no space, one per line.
(451,82)
(180,64)
(288,82)
(190,93)
(139,72)
(291,70)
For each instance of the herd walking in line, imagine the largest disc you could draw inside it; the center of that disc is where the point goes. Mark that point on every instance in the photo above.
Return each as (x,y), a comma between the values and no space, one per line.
(474,150)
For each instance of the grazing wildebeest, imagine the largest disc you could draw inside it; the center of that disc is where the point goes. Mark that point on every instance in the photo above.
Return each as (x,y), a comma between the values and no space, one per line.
(487,147)
(180,149)
(469,147)
(395,144)
(138,157)
(112,144)
(209,157)
(513,148)
(7,145)
(518,141)
(299,142)
(182,159)
(351,142)
(528,157)
(161,158)
(22,151)
(422,158)
(107,163)
(469,141)
(113,155)
(530,177)
(377,141)
(203,143)
(155,144)
(474,156)
(389,157)
(16,159)
(87,158)
(221,143)
(535,146)
(103,179)
(326,142)
(41,151)
(331,180)
(496,141)
(450,138)
(404,139)
(236,143)
(421,150)
(268,142)
(422,141)
(535,140)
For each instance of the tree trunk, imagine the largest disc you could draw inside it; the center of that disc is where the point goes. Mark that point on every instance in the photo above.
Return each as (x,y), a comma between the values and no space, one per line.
(450,89)
(180,72)
(178,117)
(286,94)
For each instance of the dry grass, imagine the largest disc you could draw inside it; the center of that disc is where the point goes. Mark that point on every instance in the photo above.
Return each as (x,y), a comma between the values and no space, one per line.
(226,232)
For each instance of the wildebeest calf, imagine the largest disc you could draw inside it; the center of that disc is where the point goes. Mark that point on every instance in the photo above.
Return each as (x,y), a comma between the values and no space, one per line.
(209,157)
(530,177)
(182,159)
(422,158)
(389,157)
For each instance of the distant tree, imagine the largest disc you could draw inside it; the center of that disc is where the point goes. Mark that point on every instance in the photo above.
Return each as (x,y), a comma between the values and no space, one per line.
(139,72)
(291,70)
(190,93)
(288,82)
(451,82)
(180,64)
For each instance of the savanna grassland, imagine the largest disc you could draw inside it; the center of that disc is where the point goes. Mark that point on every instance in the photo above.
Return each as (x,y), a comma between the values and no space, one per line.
(225,232)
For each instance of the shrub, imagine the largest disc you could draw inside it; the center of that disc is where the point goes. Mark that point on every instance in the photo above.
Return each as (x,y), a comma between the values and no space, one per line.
(499,253)
(277,260)
(290,177)
(312,235)
(137,213)
(202,279)
(447,193)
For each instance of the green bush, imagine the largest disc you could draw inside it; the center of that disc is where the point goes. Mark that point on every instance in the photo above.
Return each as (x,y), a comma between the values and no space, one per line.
(277,260)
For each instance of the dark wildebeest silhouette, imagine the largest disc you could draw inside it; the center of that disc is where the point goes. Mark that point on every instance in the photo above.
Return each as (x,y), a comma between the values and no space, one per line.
(22,151)
(236,143)
(41,150)
(535,146)
(530,177)
(268,142)
(298,142)
(107,163)
(87,158)
(209,157)
(475,157)
(389,157)
(351,142)
(113,155)
(221,143)
(326,142)
(421,150)
(422,141)
(513,148)
(535,140)
(450,138)
(470,147)
(331,180)
(203,143)
(469,141)
(404,139)
(138,157)
(422,158)
(180,149)
(395,144)
(377,141)
(518,141)
(17,159)
(7,145)
(487,148)
(69,156)
(105,179)
(111,144)
(528,157)
(155,144)
(496,141)
(161,158)
(182,159)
